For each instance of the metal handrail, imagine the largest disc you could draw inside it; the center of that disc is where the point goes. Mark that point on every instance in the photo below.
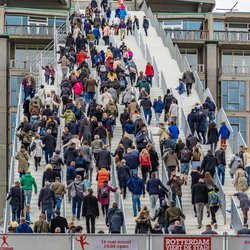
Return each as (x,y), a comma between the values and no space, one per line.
(236,221)
(12,162)
(222,196)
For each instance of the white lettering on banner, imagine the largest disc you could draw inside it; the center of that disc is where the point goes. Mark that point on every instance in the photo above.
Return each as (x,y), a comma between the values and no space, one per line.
(105,243)
(187,243)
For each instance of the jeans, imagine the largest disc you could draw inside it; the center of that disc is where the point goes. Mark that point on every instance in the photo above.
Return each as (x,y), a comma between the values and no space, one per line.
(213,211)
(37,162)
(16,213)
(248,172)
(150,80)
(153,200)
(221,173)
(157,118)
(92,218)
(105,209)
(189,87)
(148,115)
(211,116)
(47,210)
(58,203)
(133,171)
(185,168)
(76,205)
(47,79)
(27,196)
(26,93)
(203,135)
(122,33)
(174,199)
(146,31)
(199,209)
(48,155)
(89,96)
(136,203)
(213,147)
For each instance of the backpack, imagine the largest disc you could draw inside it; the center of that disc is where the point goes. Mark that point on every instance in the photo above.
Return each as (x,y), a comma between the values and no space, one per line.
(104,192)
(140,137)
(185,155)
(26,139)
(33,147)
(122,84)
(65,92)
(42,131)
(103,69)
(214,199)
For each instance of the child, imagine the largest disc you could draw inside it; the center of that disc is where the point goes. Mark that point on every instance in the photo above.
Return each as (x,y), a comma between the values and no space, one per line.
(52,74)
(26,214)
(46,73)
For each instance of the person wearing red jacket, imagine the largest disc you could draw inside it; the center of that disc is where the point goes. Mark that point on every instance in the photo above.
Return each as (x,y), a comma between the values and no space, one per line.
(81,56)
(145,164)
(149,72)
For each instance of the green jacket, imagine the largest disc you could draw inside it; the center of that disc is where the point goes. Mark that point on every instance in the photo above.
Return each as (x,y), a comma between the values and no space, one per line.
(68,115)
(27,181)
(143,84)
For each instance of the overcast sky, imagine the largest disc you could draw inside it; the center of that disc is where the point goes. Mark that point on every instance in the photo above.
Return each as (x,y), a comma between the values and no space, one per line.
(242,6)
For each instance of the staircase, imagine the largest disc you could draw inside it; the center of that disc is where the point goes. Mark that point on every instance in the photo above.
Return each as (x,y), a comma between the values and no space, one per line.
(154,50)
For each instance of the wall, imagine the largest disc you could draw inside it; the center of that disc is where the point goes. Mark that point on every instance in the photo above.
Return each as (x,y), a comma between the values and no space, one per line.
(4,120)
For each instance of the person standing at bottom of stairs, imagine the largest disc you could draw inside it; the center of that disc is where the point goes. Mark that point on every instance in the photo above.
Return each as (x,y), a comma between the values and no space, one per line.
(199,199)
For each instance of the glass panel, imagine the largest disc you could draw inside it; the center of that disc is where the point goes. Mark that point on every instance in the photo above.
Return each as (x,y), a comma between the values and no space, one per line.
(233,84)
(238,53)
(227,60)
(13,124)
(60,21)
(51,21)
(20,54)
(238,25)
(227,52)
(218,25)
(235,127)
(233,95)
(13,20)
(232,106)
(224,102)
(224,87)
(173,22)
(25,20)
(242,103)
(233,119)
(242,88)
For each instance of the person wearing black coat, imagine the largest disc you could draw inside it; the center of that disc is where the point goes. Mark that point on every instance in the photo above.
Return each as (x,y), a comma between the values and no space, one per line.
(73,127)
(60,222)
(154,159)
(16,195)
(123,119)
(103,158)
(178,229)
(191,141)
(160,214)
(209,163)
(126,142)
(70,41)
(101,131)
(92,108)
(199,199)
(201,126)
(48,175)
(90,210)
(70,154)
(143,224)
(212,136)
(49,142)
(124,175)
(26,110)
(192,121)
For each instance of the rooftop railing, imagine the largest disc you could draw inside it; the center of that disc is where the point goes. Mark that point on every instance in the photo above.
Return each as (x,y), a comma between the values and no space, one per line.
(193,35)
(234,70)
(232,36)
(29,30)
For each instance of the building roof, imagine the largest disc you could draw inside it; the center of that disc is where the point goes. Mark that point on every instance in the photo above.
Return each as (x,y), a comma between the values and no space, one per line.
(181,5)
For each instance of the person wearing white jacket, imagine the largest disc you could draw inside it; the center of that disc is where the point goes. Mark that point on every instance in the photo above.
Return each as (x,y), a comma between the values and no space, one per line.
(174,111)
(36,147)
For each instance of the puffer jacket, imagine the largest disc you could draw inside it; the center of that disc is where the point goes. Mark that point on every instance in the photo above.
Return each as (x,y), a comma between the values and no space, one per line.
(68,116)
(102,175)
(78,88)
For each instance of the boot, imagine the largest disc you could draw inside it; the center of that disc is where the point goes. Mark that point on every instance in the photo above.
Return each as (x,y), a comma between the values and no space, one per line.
(73,217)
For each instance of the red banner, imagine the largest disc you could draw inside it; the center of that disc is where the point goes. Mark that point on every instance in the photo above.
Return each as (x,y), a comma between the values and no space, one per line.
(187,243)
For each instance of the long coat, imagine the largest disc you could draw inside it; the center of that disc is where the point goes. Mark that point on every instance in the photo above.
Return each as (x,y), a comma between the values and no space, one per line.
(123,175)
(23,158)
(241,180)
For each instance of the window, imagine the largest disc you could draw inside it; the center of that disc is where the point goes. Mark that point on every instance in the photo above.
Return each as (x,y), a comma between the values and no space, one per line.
(238,124)
(192,56)
(218,25)
(192,25)
(233,95)
(13,125)
(15,88)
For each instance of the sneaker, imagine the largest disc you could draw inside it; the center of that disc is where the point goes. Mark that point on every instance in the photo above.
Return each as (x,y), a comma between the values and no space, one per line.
(195,215)
(73,217)
(139,209)
(215,226)
(199,227)
(208,214)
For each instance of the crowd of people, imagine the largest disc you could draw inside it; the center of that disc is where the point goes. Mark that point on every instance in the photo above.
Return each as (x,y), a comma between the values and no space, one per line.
(86,139)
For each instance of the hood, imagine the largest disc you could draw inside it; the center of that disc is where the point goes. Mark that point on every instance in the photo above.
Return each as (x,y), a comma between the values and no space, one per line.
(143,220)
(22,150)
(68,111)
(178,228)
(209,153)
(27,175)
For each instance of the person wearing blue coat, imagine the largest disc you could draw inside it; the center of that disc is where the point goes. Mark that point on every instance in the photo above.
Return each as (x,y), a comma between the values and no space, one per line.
(174,130)
(158,107)
(201,126)
(137,188)
(192,120)
(24,228)
(224,134)
(97,34)
(117,53)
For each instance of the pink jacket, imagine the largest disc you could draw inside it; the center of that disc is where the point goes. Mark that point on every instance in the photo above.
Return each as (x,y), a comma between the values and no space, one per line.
(106,200)
(78,88)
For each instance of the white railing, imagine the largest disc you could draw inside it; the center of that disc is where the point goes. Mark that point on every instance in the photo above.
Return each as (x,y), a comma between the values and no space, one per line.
(12,161)
(234,70)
